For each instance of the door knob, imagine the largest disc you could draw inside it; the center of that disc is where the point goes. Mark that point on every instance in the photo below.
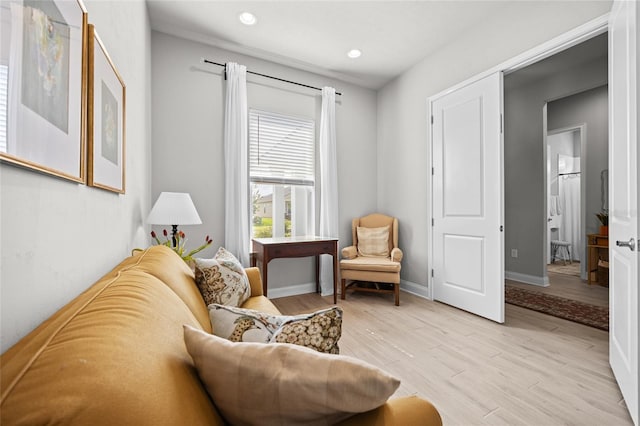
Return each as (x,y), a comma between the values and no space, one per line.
(631,244)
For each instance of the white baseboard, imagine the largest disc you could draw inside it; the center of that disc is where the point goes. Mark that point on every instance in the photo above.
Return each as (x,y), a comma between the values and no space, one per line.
(292,290)
(296,289)
(415,289)
(527,279)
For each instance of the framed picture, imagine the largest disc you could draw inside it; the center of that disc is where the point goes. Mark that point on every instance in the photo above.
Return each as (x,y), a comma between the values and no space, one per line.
(43,86)
(106,119)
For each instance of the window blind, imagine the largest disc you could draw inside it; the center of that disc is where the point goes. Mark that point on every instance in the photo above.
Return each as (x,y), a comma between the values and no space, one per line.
(281,149)
(3,107)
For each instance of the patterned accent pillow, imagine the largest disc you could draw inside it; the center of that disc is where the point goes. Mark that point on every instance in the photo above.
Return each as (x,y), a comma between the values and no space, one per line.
(222,279)
(319,330)
(373,241)
(243,325)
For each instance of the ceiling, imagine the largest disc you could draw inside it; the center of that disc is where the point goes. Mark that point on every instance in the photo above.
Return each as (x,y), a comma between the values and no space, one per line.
(315,36)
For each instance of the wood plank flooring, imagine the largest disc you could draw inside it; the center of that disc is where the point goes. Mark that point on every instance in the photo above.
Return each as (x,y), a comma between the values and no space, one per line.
(533,370)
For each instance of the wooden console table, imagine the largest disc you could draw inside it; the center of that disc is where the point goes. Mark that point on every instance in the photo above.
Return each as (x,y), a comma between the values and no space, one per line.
(597,250)
(265,249)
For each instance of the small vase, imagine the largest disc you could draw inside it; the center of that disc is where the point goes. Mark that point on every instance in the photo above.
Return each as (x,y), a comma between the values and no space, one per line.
(604,230)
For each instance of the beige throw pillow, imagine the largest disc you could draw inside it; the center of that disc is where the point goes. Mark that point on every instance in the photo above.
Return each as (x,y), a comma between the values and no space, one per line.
(222,279)
(278,384)
(373,241)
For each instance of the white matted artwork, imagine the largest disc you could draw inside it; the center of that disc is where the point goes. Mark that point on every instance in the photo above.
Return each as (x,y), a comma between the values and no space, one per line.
(106,119)
(43,46)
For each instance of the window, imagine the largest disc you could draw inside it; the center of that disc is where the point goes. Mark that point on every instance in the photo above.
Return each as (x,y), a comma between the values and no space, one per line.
(282,174)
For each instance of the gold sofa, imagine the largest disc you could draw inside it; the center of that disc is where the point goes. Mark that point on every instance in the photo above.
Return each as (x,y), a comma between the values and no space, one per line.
(116,355)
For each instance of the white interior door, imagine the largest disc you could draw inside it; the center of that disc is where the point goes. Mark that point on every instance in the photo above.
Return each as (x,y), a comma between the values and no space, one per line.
(468,242)
(623,201)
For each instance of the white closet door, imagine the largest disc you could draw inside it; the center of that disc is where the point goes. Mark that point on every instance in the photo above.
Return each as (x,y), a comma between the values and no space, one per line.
(468,242)
(623,201)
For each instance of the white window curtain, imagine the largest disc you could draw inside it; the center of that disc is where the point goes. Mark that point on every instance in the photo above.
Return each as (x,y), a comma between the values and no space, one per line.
(328,183)
(236,220)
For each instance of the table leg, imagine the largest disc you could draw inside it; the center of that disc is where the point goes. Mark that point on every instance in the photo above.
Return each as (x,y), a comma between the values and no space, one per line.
(335,277)
(265,273)
(317,273)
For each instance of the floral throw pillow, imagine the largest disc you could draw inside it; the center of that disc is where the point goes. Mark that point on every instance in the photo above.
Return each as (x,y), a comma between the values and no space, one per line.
(319,330)
(222,279)
(243,325)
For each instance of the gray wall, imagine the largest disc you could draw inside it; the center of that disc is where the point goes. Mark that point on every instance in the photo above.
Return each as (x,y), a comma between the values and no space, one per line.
(58,237)
(188,114)
(592,108)
(403,139)
(525,161)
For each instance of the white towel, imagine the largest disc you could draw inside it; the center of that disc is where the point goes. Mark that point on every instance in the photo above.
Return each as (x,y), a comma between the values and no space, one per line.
(554,206)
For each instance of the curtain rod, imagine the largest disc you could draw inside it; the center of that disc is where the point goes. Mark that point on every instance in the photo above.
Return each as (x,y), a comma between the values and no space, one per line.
(206,61)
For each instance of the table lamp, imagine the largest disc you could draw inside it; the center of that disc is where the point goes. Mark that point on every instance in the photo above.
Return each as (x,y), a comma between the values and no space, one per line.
(174,208)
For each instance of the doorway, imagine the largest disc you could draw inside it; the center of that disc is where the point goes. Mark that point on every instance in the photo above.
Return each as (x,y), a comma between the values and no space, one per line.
(555,150)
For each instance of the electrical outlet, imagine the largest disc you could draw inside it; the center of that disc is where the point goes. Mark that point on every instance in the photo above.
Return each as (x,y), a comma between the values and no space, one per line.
(514,252)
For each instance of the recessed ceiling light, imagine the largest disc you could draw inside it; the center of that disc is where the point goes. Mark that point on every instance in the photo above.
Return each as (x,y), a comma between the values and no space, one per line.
(354,53)
(247,18)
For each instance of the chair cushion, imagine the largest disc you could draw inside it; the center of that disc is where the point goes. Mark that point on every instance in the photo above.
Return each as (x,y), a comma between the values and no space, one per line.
(373,264)
(373,241)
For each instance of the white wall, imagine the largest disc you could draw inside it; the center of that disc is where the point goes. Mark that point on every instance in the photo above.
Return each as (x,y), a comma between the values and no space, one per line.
(188,117)
(403,143)
(58,237)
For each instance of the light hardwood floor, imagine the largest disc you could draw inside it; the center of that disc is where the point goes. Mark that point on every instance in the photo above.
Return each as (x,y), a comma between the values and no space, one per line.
(533,370)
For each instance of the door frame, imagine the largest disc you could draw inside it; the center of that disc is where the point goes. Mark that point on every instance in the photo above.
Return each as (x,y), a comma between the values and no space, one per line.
(562,42)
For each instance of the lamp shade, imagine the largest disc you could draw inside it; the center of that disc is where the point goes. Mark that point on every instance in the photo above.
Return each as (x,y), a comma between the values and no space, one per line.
(174,208)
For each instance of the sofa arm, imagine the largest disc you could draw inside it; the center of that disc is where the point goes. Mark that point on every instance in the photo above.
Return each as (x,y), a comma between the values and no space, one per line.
(397,255)
(255,279)
(410,410)
(349,252)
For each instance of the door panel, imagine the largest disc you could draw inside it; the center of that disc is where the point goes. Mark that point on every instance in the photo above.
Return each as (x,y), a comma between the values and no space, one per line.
(623,201)
(468,245)
(462,160)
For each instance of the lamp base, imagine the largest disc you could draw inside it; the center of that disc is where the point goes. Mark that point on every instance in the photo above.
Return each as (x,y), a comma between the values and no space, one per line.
(174,231)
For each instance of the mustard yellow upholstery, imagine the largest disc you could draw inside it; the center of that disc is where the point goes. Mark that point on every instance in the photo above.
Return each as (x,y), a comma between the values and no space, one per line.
(368,268)
(115,355)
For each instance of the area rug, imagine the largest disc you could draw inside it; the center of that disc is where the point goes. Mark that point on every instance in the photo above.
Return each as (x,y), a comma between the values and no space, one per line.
(568,269)
(583,313)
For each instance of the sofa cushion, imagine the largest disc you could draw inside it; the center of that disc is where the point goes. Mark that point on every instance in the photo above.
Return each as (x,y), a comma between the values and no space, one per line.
(115,355)
(222,279)
(280,384)
(318,330)
(373,241)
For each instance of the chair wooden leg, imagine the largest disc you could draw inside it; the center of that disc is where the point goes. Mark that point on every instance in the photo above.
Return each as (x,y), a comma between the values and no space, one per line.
(343,291)
(396,290)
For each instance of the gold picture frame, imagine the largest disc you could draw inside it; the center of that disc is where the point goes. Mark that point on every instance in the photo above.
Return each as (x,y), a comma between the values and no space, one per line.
(106,119)
(43,67)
